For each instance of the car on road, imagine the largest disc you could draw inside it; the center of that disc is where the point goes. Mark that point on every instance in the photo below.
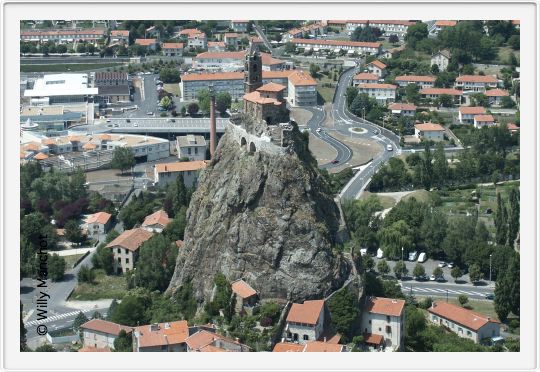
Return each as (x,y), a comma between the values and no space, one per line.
(442,264)
(150,113)
(135,125)
(172,120)
(432,278)
(335,161)
(413,256)
(115,125)
(109,125)
(422,257)
(389,148)
(128,121)
(375,131)
(318,130)
(489,296)
(108,120)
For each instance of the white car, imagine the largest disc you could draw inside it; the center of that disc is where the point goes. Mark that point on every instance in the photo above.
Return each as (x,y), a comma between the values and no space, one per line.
(422,257)
(318,130)
(442,264)
(432,278)
(389,148)
(135,125)
(413,256)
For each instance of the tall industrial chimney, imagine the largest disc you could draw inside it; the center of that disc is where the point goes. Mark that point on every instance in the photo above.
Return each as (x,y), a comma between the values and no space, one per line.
(212,122)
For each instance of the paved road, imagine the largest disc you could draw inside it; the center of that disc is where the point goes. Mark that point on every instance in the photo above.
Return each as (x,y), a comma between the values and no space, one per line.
(444,289)
(146,124)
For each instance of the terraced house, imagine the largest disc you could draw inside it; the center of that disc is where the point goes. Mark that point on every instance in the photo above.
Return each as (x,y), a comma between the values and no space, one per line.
(476,83)
(421,81)
(381,92)
(360,47)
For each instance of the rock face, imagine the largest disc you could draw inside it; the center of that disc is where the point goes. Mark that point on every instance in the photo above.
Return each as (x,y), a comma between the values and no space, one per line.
(263,217)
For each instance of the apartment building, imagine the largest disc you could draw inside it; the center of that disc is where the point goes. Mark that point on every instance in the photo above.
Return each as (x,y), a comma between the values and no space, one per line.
(421,81)
(381,92)
(476,83)
(365,77)
(370,48)
(466,114)
(172,49)
(166,173)
(125,248)
(191,147)
(63,35)
(384,317)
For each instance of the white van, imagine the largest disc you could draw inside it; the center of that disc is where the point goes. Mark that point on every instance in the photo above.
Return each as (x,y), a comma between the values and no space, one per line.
(422,257)
(380,253)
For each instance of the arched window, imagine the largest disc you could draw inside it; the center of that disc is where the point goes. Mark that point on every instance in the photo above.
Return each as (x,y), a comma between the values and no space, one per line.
(252,147)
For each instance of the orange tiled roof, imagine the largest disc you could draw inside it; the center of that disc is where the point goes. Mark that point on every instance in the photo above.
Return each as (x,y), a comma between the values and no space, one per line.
(476,79)
(322,347)
(172,46)
(203,338)
(48,141)
(131,239)
(41,156)
(402,106)
(287,347)
(32,146)
(190,31)
(100,325)
(157,218)
(442,23)
(120,33)
(418,78)
(472,110)
(449,91)
(91,349)
(242,289)
(377,86)
(145,42)
(105,137)
(89,146)
(231,34)
(370,338)
(429,127)
(271,87)
(99,217)
(386,306)
(484,118)
(512,126)
(307,313)
(166,334)
(378,64)
(182,166)
(301,78)
(496,93)
(216,44)
(256,98)
(366,76)
(214,76)
(457,314)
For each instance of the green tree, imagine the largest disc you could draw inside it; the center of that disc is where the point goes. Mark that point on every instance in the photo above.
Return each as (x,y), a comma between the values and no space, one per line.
(362,222)
(445,100)
(501,224)
(463,299)
(193,109)
(400,269)
(97,315)
(427,168)
(513,41)
(394,39)
(270,312)
(183,110)
(45,348)
(412,93)
(203,98)
(169,75)
(124,342)
(474,273)
(22,333)
(314,70)
(350,94)
(344,311)
(166,102)
(419,270)
(79,320)
(395,237)
(123,158)
(175,229)
(382,267)
(156,263)
(81,48)
(222,297)
(479,99)
(437,272)
(112,309)
(513,215)
(415,324)
(456,273)
(57,267)
(86,275)
(73,232)
(433,232)
(416,33)
(366,34)
(131,311)
(186,300)
(111,235)
(103,259)
(223,102)
(440,166)
(289,48)
(367,262)
(507,102)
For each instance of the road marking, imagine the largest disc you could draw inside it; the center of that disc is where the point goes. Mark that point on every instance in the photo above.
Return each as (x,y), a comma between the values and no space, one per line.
(56,317)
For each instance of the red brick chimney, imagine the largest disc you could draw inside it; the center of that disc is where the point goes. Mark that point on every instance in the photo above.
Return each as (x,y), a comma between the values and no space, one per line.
(212,124)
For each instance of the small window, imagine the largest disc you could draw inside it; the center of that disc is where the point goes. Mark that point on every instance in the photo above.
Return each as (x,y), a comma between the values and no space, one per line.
(127,261)
(469,333)
(380,329)
(119,250)
(388,319)
(370,321)
(306,337)
(388,329)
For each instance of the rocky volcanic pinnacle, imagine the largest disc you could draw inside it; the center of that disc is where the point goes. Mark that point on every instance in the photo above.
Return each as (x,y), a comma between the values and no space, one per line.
(266,218)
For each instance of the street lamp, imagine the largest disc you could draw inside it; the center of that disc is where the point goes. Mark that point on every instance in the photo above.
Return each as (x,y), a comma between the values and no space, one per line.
(490,269)
(402,264)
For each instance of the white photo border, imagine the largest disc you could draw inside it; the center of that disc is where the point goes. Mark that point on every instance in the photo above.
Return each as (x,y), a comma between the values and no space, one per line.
(14,11)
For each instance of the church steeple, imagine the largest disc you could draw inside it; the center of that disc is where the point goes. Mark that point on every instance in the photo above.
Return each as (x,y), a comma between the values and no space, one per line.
(252,69)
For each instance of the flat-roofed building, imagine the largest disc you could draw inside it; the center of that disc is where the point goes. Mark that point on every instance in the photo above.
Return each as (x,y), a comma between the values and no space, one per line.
(166,173)
(388,27)
(113,94)
(191,146)
(234,61)
(60,89)
(463,322)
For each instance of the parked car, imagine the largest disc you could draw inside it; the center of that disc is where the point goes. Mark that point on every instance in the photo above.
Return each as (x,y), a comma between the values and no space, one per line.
(380,253)
(489,296)
(128,121)
(413,256)
(149,113)
(421,278)
(115,125)
(440,279)
(432,278)
(135,125)
(450,265)
(442,264)
(422,257)
(318,130)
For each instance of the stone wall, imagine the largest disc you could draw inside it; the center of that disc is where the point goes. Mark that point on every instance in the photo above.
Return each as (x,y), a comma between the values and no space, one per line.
(249,141)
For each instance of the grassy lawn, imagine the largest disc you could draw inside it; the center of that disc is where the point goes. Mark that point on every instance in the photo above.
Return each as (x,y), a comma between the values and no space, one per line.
(67,67)
(326,92)
(386,201)
(172,88)
(504,53)
(70,260)
(420,195)
(104,287)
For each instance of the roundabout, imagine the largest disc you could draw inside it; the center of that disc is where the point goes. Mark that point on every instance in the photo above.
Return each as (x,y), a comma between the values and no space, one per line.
(358,130)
